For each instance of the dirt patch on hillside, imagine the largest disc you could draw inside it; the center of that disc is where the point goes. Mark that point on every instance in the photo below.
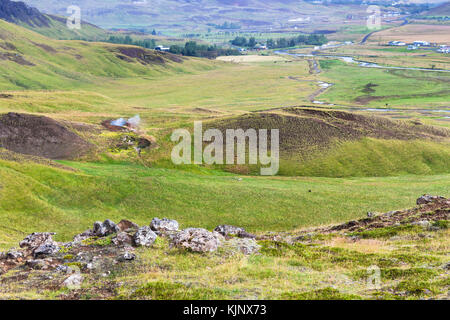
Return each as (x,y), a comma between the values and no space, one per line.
(45,47)
(145,56)
(40,136)
(307,129)
(8,46)
(15,57)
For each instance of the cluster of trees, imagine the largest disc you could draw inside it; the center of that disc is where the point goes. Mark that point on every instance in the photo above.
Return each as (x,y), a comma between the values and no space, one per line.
(193,49)
(225,25)
(312,39)
(145,43)
(243,42)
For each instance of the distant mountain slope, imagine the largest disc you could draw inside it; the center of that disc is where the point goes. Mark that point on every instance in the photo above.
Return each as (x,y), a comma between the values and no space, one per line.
(19,12)
(49,25)
(29,60)
(200,15)
(441,10)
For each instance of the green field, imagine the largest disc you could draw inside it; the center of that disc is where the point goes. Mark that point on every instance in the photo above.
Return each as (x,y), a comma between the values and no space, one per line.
(412,88)
(32,195)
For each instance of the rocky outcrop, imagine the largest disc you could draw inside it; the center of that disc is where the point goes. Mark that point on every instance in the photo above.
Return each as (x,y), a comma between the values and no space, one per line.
(103,229)
(19,12)
(123,239)
(99,249)
(426,198)
(44,250)
(144,237)
(246,246)
(197,240)
(125,225)
(37,239)
(164,225)
(232,231)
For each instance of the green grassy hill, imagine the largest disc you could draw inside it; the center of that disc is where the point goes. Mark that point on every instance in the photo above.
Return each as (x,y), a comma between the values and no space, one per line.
(31,61)
(57,29)
(330,143)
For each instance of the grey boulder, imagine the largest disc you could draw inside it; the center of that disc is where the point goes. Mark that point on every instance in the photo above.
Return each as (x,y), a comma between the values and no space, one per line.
(37,239)
(103,229)
(45,250)
(14,255)
(144,237)
(123,239)
(232,231)
(197,240)
(164,225)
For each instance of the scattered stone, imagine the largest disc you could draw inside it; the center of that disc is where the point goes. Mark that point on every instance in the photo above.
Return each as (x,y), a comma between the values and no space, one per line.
(197,240)
(105,229)
(62,268)
(83,236)
(423,223)
(74,281)
(144,237)
(123,239)
(164,225)
(127,256)
(124,225)
(372,215)
(37,239)
(426,198)
(391,213)
(304,237)
(446,266)
(14,254)
(37,264)
(45,250)
(246,246)
(232,231)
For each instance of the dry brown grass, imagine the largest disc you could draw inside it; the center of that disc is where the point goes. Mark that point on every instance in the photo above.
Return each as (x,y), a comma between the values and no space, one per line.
(414,32)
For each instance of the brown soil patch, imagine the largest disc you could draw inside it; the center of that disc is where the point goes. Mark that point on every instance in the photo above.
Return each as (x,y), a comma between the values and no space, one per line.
(45,47)
(17,58)
(412,32)
(40,136)
(145,56)
(8,46)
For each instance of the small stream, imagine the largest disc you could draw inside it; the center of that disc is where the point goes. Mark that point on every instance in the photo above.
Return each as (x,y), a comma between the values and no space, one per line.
(362,64)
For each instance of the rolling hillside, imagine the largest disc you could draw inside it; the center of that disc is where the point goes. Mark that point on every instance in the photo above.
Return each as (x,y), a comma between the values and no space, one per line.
(31,61)
(439,11)
(330,143)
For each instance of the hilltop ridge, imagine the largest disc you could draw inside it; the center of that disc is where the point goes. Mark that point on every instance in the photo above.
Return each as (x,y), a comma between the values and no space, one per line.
(46,24)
